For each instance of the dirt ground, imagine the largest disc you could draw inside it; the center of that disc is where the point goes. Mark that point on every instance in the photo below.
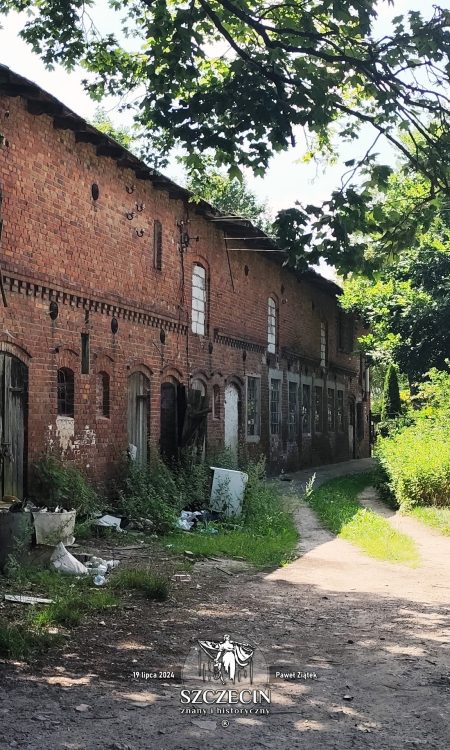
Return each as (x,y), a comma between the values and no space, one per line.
(376,634)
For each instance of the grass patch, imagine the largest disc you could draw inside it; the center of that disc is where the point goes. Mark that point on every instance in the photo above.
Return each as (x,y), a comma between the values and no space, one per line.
(437,518)
(337,507)
(271,549)
(70,610)
(152,586)
(19,641)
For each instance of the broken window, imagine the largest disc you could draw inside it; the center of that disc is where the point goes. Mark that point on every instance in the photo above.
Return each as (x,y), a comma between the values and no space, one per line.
(253,407)
(271,325)
(340,411)
(275,406)
(330,410)
(66,392)
(318,409)
(198,300)
(157,245)
(306,409)
(103,399)
(292,410)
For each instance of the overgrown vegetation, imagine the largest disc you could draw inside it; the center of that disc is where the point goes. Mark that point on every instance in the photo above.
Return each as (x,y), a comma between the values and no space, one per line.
(265,533)
(415,459)
(337,506)
(54,483)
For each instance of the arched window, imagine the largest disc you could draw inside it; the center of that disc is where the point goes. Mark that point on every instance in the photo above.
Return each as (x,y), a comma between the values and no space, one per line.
(103,395)
(198,300)
(66,392)
(271,325)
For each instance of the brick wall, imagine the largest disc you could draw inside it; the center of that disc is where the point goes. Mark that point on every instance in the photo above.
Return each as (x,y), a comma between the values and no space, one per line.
(60,245)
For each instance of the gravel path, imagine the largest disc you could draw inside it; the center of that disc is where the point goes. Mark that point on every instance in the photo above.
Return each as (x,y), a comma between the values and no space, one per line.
(376,635)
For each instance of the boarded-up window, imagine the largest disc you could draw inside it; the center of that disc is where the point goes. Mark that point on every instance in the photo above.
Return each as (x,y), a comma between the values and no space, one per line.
(66,392)
(271,325)
(103,395)
(198,300)
(253,407)
(157,245)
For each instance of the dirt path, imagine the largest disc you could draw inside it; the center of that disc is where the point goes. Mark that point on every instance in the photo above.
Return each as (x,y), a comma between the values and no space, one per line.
(376,635)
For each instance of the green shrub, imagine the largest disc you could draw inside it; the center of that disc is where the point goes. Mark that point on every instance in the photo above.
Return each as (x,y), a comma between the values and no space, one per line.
(415,458)
(22,642)
(391,405)
(53,483)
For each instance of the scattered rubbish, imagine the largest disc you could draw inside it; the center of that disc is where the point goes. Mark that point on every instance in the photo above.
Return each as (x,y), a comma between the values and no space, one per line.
(109,521)
(188,519)
(188,553)
(227,491)
(182,577)
(64,562)
(99,580)
(140,524)
(24,599)
(348,697)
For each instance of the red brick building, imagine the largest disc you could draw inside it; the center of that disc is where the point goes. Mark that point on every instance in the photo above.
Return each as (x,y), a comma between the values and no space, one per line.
(123,297)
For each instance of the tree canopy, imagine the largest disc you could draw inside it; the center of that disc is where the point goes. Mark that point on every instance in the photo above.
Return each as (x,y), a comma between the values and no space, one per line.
(239,78)
(228,194)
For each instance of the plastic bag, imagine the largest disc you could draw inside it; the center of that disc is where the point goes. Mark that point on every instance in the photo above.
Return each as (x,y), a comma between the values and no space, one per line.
(64,562)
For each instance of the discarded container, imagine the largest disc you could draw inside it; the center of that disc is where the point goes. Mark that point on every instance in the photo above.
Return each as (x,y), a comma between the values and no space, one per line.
(16,530)
(52,528)
(99,580)
(227,491)
(111,522)
(24,599)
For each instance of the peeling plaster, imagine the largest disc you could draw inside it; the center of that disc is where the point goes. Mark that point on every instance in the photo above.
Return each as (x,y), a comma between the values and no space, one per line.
(65,431)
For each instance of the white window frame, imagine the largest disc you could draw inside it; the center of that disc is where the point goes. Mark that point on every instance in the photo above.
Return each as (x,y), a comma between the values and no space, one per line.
(276,375)
(257,437)
(198,306)
(293,378)
(272,316)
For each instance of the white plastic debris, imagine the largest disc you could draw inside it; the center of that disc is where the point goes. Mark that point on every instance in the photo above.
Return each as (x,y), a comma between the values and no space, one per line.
(112,522)
(187,518)
(24,599)
(182,577)
(99,580)
(62,561)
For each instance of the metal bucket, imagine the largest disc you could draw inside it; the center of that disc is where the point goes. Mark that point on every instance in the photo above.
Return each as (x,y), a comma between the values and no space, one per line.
(16,530)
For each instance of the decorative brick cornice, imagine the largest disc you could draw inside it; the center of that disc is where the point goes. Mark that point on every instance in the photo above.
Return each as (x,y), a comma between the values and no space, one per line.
(18,284)
(221,337)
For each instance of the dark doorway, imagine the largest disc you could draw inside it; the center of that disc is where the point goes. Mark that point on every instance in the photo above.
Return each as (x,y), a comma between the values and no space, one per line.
(13,424)
(138,416)
(169,440)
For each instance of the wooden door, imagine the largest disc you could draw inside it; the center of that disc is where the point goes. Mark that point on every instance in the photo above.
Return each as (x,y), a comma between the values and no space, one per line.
(232,419)
(169,422)
(13,424)
(138,415)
